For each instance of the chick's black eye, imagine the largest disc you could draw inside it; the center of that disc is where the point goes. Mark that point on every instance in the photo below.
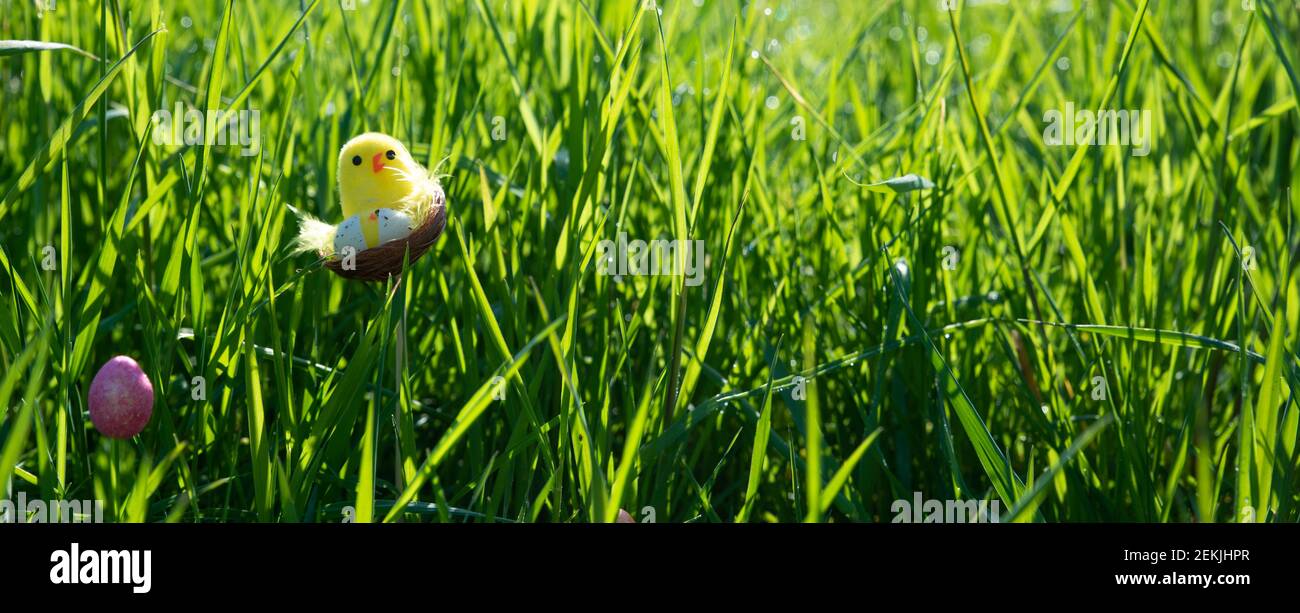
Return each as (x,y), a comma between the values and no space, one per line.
(390,155)
(356,160)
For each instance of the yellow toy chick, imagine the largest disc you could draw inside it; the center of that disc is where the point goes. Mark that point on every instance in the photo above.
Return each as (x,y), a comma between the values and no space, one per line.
(384,194)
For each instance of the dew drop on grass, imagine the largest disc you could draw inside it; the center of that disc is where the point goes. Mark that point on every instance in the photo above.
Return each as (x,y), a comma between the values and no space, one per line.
(1063,64)
(186,22)
(772,102)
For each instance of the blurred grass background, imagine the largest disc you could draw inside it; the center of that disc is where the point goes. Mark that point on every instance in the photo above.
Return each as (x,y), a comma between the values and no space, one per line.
(1113,337)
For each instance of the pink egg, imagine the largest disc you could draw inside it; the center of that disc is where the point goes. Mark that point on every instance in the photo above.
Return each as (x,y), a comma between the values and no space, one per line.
(121,398)
(624,517)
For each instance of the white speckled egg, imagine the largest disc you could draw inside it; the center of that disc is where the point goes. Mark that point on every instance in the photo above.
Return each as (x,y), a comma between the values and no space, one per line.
(393,225)
(349,235)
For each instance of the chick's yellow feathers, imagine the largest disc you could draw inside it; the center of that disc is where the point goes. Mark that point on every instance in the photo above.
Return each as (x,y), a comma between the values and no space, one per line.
(376,171)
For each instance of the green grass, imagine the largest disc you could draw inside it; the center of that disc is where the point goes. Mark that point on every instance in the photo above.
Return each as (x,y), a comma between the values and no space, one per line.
(1115,338)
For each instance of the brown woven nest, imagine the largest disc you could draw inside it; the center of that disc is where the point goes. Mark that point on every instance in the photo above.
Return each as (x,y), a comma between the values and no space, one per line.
(380,263)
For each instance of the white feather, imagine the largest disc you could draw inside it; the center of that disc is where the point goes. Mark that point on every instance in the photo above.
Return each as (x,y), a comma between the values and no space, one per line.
(424,199)
(315,236)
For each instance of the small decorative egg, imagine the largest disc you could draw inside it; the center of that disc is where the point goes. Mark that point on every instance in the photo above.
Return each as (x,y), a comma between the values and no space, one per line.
(349,234)
(120,398)
(393,225)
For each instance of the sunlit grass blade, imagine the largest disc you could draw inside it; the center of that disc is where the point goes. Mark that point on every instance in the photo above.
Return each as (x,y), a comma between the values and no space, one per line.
(468,414)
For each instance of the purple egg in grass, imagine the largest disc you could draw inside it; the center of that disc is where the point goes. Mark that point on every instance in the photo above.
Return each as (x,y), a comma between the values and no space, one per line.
(120,399)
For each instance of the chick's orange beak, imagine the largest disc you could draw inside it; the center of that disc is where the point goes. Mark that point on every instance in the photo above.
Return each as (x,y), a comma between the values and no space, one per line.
(377,162)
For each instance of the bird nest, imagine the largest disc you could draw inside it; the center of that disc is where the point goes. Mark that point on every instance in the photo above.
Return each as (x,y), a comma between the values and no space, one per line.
(384,261)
